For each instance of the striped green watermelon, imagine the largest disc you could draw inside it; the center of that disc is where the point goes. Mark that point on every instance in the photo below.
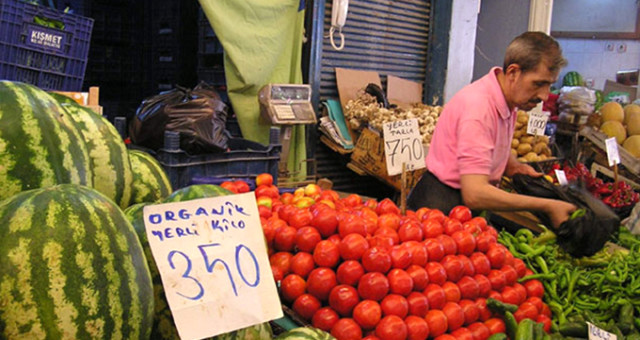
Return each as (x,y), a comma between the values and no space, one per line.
(572,78)
(163,325)
(257,332)
(306,333)
(108,154)
(72,268)
(39,145)
(150,181)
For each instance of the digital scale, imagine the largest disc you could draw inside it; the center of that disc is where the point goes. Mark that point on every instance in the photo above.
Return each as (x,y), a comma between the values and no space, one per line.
(286,105)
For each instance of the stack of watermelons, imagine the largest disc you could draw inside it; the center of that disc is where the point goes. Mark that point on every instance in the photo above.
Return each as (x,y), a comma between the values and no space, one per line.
(73,265)
(572,78)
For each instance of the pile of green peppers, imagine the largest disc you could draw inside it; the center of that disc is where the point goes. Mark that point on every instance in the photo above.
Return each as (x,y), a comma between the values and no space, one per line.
(603,289)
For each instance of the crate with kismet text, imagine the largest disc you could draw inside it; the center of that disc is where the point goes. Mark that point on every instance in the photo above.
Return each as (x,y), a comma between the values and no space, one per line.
(244,160)
(43,46)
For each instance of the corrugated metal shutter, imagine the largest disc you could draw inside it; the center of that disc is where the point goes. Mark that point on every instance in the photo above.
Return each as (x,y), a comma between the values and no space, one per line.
(387,36)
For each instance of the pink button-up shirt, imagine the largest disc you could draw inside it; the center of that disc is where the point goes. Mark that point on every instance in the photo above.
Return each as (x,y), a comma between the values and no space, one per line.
(473,134)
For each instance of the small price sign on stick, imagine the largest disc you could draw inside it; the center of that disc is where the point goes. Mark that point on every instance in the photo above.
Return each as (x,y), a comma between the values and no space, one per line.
(613,156)
(213,263)
(537,122)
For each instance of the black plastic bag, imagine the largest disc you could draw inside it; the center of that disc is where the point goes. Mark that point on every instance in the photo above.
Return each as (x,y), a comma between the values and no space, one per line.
(199,115)
(583,235)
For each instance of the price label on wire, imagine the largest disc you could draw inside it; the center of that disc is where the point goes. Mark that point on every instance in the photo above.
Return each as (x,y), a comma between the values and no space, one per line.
(562,177)
(212,260)
(596,333)
(403,144)
(537,122)
(612,151)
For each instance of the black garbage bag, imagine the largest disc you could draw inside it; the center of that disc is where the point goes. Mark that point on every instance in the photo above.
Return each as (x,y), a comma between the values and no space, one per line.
(591,226)
(198,114)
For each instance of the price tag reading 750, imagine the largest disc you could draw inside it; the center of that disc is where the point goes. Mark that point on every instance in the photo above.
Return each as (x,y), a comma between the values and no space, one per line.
(212,259)
(403,144)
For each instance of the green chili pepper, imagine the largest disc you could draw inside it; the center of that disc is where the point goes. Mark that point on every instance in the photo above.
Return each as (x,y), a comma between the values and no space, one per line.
(543,265)
(539,276)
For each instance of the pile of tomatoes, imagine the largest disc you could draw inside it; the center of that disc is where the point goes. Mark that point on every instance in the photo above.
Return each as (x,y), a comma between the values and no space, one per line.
(361,269)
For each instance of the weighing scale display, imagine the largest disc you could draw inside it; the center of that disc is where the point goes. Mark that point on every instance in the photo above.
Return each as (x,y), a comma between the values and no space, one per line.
(287,104)
(290,93)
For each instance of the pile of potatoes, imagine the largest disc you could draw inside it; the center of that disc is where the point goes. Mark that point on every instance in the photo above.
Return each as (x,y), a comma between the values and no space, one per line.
(528,148)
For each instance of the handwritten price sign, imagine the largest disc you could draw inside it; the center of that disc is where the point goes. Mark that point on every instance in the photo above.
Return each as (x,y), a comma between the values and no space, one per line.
(537,122)
(596,333)
(403,144)
(213,263)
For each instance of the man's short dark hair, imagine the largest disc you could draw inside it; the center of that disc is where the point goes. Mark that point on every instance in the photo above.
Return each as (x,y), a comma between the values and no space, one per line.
(530,48)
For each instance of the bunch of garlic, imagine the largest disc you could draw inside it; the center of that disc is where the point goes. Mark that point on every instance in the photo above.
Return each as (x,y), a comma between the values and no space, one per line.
(526,147)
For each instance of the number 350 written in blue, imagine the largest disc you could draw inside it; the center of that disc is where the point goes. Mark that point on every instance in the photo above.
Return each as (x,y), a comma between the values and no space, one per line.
(211,263)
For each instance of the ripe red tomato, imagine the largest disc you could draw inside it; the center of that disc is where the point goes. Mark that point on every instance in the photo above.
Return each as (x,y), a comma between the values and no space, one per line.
(302,264)
(282,261)
(391,327)
(326,223)
(437,321)
(320,282)
(449,245)
(382,241)
(453,267)
(346,329)
(353,246)
(410,231)
(264,179)
(324,319)
(436,215)
(481,222)
(335,238)
(498,279)
(471,311)
(536,301)
(343,298)
(510,295)
(419,255)
(386,206)
(479,331)
(484,285)
(496,255)
(508,257)
(352,200)
(367,314)
(229,186)
(526,310)
(451,291)
(436,296)
(472,228)
(349,272)
(484,240)
(241,186)
(451,226)
(495,295)
(301,218)
(435,250)
(376,260)
(465,242)
(394,304)
(431,228)
(520,267)
(421,212)
(522,293)
(326,254)
(292,286)
(481,263)
(373,286)
(534,288)
(400,257)
(462,334)
(418,304)
(545,310)
(278,275)
(306,305)
(460,213)
(285,238)
(391,221)
(436,273)
(400,282)
(467,266)
(371,336)
(469,288)
(350,225)
(264,211)
(545,321)
(417,328)
(484,311)
(386,231)
(495,325)
(307,238)
(419,276)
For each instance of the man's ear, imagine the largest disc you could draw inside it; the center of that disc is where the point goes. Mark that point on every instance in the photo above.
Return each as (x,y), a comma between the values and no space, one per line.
(513,71)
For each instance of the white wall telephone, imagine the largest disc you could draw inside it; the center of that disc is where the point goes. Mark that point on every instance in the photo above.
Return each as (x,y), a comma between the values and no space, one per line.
(338,18)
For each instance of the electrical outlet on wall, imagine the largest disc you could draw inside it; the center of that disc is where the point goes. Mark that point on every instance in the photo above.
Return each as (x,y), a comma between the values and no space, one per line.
(609,46)
(621,47)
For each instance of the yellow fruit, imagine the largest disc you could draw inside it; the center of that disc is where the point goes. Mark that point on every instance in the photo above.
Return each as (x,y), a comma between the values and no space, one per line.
(631,110)
(633,125)
(612,111)
(614,128)
(632,144)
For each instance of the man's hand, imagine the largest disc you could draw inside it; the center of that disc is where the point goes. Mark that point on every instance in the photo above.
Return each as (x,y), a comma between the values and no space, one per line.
(516,167)
(559,211)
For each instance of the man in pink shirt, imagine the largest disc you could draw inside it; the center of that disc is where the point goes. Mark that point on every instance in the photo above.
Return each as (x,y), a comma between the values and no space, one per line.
(470,149)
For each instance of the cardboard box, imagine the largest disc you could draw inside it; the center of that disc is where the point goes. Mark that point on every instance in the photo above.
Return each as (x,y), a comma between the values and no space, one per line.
(369,155)
(612,86)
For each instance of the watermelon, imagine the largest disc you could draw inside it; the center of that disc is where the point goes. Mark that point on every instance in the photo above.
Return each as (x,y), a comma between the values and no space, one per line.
(257,332)
(39,145)
(72,268)
(306,333)
(572,78)
(163,325)
(150,181)
(108,155)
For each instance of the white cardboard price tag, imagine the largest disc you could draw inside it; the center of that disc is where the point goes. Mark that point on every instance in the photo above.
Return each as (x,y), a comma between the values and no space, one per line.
(612,151)
(537,122)
(403,144)
(562,177)
(596,333)
(213,263)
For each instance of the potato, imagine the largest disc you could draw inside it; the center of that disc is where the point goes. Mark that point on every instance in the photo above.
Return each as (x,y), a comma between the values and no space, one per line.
(546,151)
(519,125)
(543,139)
(524,119)
(531,157)
(514,153)
(517,134)
(522,160)
(542,157)
(523,149)
(515,143)
(539,147)
(527,139)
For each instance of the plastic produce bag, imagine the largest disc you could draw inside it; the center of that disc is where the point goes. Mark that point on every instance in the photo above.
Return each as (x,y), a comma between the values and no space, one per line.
(199,115)
(576,100)
(589,228)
